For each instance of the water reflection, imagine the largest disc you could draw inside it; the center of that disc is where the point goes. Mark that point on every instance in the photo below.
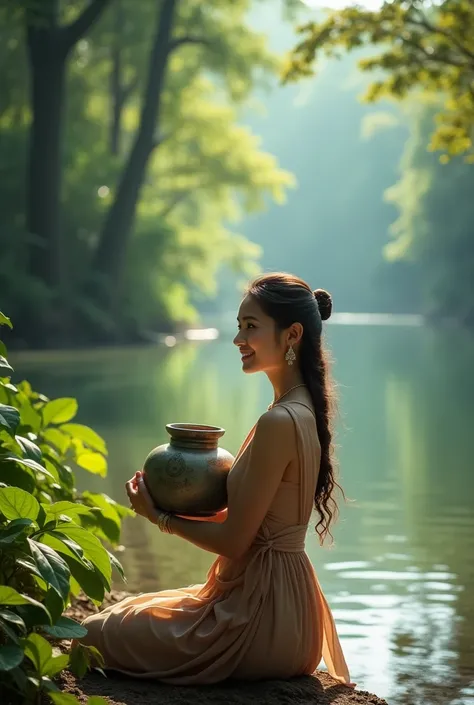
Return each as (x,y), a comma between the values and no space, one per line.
(401,575)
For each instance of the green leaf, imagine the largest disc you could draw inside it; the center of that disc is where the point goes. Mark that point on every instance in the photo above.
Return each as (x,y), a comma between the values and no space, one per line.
(54,570)
(9,632)
(92,547)
(93,462)
(59,411)
(96,700)
(9,418)
(63,544)
(40,653)
(65,698)
(10,657)
(70,509)
(18,504)
(13,618)
(30,449)
(53,436)
(79,660)
(57,664)
(90,581)
(5,368)
(55,604)
(17,476)
(27,462)
(117,565)
(66,628)
(86,435)
(34,614)
(5,321)
(13,530)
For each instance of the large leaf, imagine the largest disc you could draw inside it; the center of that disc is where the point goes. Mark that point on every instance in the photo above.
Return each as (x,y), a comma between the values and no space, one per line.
(30,449)
(10,657)
(66,628)
(9,418)
(5,321)
(17,476)
(54,570)
(92,547)
(91,582)
(10,596)
(5,368)
(13,530)
(59,411)
(40,653)
(18,504)
(53,436)
(13,618)
(70,509)
(61,698)
(117,565)
(27,462)
(86,435)
(93,462)
(63,544)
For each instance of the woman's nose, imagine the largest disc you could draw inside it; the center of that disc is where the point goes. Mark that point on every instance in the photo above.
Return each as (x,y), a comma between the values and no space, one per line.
(238,338)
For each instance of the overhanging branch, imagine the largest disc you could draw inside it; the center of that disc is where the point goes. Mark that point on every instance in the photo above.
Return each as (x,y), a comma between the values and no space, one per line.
(187,39)
(76,30)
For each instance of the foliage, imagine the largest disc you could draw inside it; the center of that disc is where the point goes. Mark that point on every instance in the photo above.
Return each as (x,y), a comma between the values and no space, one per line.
(433,231)
(50,536)
(204,172)
(425,47)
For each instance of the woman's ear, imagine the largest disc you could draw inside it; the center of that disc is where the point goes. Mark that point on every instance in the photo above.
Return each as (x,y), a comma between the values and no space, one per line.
(295,333)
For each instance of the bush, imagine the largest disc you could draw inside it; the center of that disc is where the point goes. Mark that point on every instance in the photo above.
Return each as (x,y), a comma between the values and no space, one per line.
(51,538)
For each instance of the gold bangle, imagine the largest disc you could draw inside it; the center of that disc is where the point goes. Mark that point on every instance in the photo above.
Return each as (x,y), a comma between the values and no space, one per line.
(163,521)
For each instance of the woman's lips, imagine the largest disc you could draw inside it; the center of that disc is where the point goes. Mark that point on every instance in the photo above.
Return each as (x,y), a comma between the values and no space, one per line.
(246,356)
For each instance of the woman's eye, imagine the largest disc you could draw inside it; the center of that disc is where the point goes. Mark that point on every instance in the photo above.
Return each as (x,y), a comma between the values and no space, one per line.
(251,325)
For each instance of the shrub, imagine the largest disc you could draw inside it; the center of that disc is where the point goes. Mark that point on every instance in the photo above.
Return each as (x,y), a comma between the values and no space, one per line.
(51,538)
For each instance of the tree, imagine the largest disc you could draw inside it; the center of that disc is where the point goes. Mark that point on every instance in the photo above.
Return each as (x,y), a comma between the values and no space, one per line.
(425,47)
(204,175)
(49,45)
(434,228)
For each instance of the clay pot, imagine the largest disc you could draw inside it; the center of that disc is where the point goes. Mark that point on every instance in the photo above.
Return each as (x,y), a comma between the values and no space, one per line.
(188,475)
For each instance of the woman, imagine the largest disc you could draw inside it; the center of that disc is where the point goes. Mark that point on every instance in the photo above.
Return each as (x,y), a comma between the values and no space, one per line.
(261,613)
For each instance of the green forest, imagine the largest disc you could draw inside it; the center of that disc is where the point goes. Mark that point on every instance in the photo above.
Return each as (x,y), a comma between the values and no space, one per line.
(154,155)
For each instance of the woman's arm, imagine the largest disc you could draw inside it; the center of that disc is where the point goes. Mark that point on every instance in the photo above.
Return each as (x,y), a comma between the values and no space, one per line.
(273,447)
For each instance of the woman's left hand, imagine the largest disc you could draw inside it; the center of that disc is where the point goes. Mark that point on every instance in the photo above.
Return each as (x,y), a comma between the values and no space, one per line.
(140,499)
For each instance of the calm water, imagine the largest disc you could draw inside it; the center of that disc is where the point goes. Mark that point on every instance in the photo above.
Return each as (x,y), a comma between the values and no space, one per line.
(400,578)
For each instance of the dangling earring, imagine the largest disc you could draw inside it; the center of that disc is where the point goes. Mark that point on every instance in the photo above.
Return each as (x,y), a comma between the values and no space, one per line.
(290,356)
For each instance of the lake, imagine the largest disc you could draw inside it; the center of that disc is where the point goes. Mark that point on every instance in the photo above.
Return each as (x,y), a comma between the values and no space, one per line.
(400,577)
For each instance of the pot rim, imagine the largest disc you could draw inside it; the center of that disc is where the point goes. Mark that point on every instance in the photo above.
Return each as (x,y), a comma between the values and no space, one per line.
(193,430)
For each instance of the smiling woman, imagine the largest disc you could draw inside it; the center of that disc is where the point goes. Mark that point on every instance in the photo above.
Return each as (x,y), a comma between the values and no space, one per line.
(261,612)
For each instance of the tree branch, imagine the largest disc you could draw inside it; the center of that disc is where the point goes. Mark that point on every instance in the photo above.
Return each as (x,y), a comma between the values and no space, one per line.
(76,30)
(434,29)
(187,39)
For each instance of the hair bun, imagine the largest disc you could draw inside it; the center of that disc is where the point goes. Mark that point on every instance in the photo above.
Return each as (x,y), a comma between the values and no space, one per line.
(324,300)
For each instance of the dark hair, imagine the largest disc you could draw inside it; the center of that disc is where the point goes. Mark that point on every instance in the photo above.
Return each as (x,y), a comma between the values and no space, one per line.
(288,299)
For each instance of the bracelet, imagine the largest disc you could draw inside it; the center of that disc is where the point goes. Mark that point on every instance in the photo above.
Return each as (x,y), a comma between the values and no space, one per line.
(163,520)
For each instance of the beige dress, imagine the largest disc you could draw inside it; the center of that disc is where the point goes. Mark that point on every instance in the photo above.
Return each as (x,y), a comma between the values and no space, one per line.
(261,616)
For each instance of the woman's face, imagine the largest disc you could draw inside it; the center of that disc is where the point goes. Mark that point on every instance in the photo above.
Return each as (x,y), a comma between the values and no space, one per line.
(259,346)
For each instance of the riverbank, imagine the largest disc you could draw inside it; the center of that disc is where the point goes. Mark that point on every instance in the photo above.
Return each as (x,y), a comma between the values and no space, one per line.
(319,689)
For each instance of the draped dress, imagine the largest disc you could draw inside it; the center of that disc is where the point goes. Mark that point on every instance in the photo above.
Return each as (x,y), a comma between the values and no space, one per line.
(262,615)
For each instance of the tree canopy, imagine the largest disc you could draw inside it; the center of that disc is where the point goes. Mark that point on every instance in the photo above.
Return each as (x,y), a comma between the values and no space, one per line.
(125,164)
(421,47)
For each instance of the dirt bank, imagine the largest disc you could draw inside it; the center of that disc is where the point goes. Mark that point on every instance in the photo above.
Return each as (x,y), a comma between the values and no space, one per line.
(319,689)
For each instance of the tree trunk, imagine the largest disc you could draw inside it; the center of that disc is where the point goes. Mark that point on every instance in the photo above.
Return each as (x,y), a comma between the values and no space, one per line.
(48,48)
(111,250)
(116,84)
(44,169)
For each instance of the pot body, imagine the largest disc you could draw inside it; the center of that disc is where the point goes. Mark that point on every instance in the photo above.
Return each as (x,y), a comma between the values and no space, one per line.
(188,475)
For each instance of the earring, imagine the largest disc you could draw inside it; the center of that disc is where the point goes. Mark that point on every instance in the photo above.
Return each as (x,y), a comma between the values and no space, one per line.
(290,356)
